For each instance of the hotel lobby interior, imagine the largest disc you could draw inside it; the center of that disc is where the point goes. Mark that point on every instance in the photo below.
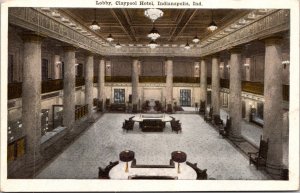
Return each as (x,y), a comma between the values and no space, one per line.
(165,94)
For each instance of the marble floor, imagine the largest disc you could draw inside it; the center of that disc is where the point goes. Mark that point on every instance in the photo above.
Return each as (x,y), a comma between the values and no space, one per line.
(103,142)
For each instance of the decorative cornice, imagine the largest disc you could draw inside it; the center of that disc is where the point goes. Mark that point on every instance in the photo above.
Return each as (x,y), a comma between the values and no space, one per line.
(35,20)
(244,30)
(269,22)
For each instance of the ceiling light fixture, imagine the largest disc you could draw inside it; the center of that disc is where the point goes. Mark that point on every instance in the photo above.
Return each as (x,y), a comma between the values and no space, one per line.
(187,45)
(152,44)
(95,25)
(118,45)
(153,14)
(109,37)
(196,39)
(153,34)
(212,26)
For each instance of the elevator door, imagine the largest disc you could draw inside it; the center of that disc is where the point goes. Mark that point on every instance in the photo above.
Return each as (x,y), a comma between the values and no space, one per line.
(185,97)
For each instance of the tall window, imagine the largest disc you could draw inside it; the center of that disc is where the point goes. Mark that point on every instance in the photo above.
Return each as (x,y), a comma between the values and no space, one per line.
(119,96)
(44,69)
(185,97)
(10,68)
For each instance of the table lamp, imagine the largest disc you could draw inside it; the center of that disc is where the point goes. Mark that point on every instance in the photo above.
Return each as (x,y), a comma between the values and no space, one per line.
(126,156)
(179,157)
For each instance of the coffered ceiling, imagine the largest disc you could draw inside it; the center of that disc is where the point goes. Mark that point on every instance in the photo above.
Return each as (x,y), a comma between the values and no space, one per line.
(177,26)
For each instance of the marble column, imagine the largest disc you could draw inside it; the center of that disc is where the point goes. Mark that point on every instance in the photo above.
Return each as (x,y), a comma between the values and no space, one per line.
(235,96)
(69,87)
(169,81)
(273,114)
(55,66)
(196,69)
(31,97)
(248,69)
(101,81)
(89,76)
(215,85)
(203,81)
(135,81)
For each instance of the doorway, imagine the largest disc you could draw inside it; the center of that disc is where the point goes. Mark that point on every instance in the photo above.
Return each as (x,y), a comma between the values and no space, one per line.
(185,97)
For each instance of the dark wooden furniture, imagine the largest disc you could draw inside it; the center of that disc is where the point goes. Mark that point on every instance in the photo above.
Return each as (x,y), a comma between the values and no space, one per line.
(176,125)
(224,131)
(201,174)
(152,125)
(134,108)
(208,114)
(107,104)
(217,120)
(128,125)
(118,107)
(202,108)
(104,173)
(169,108)
(259,159)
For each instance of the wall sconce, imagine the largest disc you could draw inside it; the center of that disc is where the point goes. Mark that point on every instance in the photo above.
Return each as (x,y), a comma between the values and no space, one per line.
(285,62)
(228,66)
(221,67)
(247,65)
(58,63)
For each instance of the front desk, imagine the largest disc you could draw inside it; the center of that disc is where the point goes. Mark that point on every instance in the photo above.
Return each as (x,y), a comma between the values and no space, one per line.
(118,172)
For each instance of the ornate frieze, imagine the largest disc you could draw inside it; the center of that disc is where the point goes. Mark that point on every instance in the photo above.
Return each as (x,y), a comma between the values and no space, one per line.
(35,20)
(236,33)
(275,21)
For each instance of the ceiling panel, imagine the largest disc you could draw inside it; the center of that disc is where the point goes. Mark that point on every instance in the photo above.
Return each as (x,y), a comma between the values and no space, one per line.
(175,27)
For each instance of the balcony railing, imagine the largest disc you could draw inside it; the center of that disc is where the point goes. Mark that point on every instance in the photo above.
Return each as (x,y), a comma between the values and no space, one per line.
(15,89)
(178,79)
(52,85)
(81,112)
(256,88)
(155,79)
(117,78)
(79,81)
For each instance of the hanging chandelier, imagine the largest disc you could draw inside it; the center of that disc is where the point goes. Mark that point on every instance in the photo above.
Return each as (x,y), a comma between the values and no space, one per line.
(94,26)
(153,13)
(196,39)
(118,45)
(110,38)
(153,34)
(212,26)
(152,44)
(187,45)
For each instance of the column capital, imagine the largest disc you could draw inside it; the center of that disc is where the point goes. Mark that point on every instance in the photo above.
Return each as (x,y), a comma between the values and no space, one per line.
(169,58)
(273,40)
(89,53)
(32,37)
(206,57)
(103,58)
(215,55)
(69,48)
(235,49)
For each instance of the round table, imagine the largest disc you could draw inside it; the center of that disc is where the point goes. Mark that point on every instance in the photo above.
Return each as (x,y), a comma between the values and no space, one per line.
(118,173)
(140,118)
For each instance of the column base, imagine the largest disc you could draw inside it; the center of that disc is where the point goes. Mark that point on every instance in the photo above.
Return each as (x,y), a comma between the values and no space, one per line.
(275,171)
(236,138)
(32,164)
